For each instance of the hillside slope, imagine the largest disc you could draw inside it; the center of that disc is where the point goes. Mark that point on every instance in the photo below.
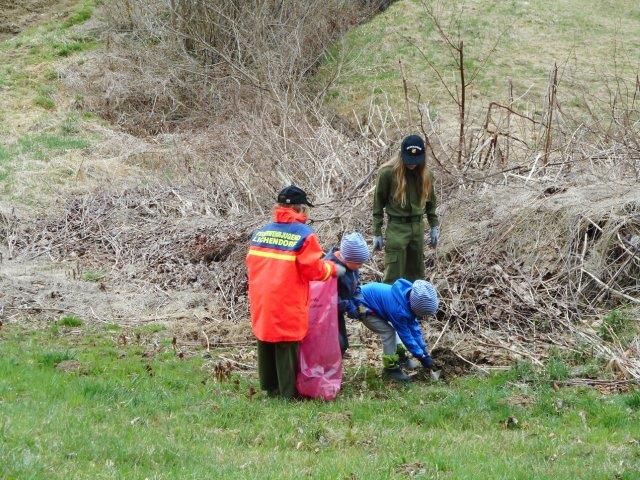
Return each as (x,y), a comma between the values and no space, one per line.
(591,41)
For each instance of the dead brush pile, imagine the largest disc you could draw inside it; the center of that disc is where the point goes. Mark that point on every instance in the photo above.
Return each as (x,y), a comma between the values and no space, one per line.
(538,242)
(180,64)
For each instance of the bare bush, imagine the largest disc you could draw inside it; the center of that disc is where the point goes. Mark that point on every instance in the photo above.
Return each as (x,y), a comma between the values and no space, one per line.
(178,63)
(539,207)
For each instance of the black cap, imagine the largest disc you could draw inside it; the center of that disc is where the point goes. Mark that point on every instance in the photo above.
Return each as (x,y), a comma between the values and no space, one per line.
(293,195)
(413,150)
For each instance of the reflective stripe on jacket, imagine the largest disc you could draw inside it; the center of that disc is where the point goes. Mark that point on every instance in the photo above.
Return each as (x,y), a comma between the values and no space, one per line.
(284,256)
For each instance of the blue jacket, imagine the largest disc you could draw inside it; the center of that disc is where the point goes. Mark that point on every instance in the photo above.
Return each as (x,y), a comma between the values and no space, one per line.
(348,287)
(391,303)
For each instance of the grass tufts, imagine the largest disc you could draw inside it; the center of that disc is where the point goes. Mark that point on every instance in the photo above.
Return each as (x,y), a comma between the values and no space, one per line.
(81,15)
(51,359)
(617,325)
(70,321)
(44,97)
(633,400)
(93,276)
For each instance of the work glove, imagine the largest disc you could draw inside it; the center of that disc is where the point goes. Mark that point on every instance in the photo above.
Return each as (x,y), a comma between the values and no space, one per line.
(434,233)
(340,270)
(378,242)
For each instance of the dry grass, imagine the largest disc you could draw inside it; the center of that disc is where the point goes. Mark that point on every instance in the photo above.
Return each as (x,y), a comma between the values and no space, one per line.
(592,41)
(526,250)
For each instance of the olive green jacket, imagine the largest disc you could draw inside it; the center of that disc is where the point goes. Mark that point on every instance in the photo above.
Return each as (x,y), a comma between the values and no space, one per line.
(383,200)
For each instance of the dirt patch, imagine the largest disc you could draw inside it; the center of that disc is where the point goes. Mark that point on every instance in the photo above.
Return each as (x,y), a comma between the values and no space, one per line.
(69,366)
(450,364)
(16,15)
(517,401)
(37,291)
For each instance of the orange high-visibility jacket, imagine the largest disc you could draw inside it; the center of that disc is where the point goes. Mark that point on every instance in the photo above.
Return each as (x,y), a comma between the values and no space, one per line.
(284,256)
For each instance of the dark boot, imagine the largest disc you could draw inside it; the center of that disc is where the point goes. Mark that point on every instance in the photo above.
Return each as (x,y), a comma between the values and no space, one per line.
(392,369)
(396,374)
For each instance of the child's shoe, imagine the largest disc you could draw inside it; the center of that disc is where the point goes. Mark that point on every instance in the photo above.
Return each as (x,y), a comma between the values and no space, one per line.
(396,374)
(392,369)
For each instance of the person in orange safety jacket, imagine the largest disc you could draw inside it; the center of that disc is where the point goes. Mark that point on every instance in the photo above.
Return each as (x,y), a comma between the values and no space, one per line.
(284,256)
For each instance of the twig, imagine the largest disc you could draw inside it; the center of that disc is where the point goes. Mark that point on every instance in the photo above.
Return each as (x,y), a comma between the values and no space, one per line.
(435,344)
(552,101)
(242,365)
(611,289)
(471,363)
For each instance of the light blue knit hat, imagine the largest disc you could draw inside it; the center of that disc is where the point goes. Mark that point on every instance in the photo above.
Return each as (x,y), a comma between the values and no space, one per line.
(423,298)
(354,248)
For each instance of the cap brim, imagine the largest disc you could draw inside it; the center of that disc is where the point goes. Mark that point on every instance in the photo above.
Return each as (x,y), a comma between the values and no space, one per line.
(413,159)
(309,203)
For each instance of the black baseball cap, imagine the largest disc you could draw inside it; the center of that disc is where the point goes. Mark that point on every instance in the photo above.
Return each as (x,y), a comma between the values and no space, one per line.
(293,195)
(413,150)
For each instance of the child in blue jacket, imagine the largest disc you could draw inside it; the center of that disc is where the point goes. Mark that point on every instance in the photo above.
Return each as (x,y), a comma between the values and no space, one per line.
(397,308)
(352,253)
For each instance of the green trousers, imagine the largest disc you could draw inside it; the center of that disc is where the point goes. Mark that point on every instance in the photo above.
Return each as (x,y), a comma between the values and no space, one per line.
(277,367)
(404,251)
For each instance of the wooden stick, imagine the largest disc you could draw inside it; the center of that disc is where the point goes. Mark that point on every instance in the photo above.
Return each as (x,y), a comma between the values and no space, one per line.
(435,344)
(552,100)
(611,289)
(470,362)
(406,91)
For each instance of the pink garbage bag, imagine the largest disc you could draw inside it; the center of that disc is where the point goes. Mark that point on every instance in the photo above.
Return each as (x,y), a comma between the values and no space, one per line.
(320,359)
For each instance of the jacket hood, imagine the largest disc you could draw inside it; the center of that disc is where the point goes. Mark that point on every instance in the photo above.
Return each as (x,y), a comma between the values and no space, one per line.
(331,255)
(288,215)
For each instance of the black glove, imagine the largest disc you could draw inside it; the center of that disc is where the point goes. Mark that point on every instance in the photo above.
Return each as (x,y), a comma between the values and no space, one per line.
(426,361)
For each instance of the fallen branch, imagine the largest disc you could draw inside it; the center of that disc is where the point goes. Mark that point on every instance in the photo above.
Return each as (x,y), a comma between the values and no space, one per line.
(611,289)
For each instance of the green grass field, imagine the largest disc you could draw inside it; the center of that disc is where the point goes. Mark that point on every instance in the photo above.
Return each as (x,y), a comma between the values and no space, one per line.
(78,402)
(75,402)
(592,41)
(41,133)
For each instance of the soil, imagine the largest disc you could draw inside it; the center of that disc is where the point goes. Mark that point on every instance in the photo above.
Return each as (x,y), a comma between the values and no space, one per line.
(16,15)
(450,364)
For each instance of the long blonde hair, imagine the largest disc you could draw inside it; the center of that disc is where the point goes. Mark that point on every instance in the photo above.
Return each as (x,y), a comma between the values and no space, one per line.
(400,180)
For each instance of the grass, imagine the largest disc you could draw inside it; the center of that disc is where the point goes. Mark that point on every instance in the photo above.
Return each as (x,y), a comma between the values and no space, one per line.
(93,276)
(618,325)
(70,321)
(43,98)
(44,145)
(37,120)
(122,414)
(581,35)
(81,15)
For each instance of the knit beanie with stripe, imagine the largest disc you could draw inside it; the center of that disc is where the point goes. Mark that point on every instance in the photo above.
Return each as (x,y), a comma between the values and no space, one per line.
(354,248)
(423,298)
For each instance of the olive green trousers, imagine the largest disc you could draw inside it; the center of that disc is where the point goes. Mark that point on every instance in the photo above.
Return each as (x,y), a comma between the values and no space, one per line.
(278,367)
(404,251)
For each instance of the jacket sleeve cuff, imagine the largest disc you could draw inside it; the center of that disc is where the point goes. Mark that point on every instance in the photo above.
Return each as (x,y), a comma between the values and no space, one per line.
(329,271)
(433,221)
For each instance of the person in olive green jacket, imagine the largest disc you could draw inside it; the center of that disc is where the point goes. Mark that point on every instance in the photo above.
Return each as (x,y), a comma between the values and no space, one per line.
(405,191)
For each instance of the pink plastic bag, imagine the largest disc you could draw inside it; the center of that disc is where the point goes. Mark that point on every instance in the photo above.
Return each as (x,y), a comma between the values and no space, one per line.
(320,359)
